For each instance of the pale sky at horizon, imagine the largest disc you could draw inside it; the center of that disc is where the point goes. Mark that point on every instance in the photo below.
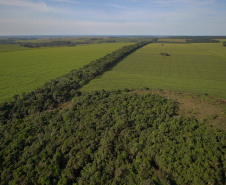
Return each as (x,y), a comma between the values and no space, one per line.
(112,17)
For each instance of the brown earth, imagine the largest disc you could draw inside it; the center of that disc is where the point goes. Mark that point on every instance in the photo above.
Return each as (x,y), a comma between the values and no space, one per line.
(204,108)
(201,107)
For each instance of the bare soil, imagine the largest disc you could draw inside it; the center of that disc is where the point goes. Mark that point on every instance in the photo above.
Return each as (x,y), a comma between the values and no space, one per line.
(204,108)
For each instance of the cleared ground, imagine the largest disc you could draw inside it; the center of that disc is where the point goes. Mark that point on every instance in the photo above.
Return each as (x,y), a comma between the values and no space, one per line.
(204,108)
(23,69)
(196,68)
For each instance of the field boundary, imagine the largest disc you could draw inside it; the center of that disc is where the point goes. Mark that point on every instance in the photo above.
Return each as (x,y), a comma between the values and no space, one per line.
(206,109)
(62,89)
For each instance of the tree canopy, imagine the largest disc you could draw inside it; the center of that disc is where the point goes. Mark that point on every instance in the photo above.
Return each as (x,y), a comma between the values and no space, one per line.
(104,137)
(111,137)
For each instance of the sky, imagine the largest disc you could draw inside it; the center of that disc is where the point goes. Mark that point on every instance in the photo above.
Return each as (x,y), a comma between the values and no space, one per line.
(112,17)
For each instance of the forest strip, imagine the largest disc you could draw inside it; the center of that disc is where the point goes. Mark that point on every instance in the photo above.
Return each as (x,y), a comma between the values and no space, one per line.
(112,137)
(62,89)
(203,108)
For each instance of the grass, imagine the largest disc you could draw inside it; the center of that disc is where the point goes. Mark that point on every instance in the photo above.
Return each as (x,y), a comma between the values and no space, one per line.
(11,47)
(195,68)
(221,40)
(172,40)
(24,70)
(75,39)
(204,108)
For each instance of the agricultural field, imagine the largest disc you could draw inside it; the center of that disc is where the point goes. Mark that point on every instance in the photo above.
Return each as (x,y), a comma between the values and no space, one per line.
(141,136)
(73,39)
(195,68)
(23,69)
(221,40)
(11,47)
(171,40)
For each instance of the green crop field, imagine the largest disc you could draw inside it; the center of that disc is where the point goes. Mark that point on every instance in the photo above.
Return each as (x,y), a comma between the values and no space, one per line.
(172,40)
(195,68)
(11,47)
(221,40)
(23,69)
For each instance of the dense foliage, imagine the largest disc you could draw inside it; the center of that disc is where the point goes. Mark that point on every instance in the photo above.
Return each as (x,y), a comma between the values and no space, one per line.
(224,43)
(63,88)
(111,138)
(202,40)
(104,137)
(13,40)
(197,37)
(36,42)
(63,43)
(48,44)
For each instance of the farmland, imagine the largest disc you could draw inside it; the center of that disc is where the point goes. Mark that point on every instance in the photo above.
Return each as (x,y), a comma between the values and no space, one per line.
(196,68)
(11,47)
(24,69)
(60,133)
(172,40)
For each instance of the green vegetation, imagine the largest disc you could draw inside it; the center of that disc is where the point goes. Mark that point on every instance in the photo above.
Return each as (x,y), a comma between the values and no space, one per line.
(11,47)
(62,134)
(26,70)
(111,138)
(61,89)
(196,68)
(224,43)
(191,39)
(42,41)
(221,40)
(167,40)
(202,40)
(197,37)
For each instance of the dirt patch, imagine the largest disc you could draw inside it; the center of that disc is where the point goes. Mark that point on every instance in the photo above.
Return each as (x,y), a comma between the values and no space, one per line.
(202,107)
(65,105)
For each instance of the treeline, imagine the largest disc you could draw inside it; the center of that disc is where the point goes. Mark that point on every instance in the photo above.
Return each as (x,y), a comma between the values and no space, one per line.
(54,43)
(48,44)
(202,40)
(111,137)
(63,88)
(62,43)
(14,40)
(197,37)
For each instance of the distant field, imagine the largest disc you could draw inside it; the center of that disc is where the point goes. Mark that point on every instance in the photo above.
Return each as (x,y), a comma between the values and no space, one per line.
(172,40)
(221,40)
(23,69)
(196,68)
(11,47)
(91,39)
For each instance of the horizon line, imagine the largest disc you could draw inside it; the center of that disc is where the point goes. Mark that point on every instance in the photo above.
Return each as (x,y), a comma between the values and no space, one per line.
(103,35)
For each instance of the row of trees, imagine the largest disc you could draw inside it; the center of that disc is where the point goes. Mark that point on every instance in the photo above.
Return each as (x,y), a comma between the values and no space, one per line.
(63,88)
(202,40)
(111,137)
(48,44)
(197,37)
(62,43)
(29,42)
(104,137)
